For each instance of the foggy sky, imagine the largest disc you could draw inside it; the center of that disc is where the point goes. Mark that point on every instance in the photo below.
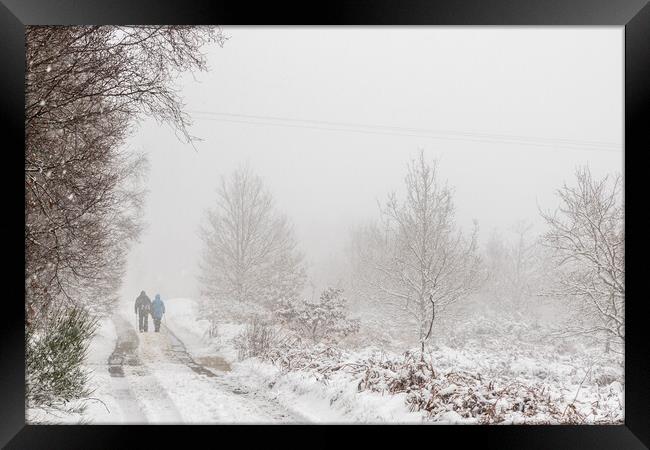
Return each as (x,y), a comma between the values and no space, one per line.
(555,83)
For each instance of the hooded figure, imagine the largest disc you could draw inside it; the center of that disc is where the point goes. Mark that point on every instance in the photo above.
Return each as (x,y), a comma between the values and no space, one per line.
(142,309)
(157,311)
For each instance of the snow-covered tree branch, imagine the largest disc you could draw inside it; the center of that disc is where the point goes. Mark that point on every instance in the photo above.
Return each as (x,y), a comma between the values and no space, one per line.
(250,257)
(421,262)
(586,236)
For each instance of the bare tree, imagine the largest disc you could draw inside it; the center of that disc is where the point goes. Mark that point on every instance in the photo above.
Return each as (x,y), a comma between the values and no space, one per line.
(587,238)
(364,250)
(85,88)
(250,258)
(515,268)
(126,71)
(496,265)
(523,262)
(422,261)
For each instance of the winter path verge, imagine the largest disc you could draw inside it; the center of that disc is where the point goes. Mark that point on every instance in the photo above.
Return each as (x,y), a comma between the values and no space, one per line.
(221,399)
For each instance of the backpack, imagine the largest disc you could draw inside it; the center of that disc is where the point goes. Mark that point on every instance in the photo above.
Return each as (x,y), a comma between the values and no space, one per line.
(144,306)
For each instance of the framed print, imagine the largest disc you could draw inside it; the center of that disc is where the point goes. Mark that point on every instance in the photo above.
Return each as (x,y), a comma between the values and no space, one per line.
(359,214)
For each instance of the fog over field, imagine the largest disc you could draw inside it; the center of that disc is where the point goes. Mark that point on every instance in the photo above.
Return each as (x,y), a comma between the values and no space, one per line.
(509,113)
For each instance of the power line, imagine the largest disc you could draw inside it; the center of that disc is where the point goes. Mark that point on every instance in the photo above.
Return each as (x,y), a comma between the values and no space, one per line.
(417,130)
(409,132)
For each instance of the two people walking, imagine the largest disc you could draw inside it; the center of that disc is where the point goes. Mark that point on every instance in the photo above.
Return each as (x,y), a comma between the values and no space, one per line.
(144,306)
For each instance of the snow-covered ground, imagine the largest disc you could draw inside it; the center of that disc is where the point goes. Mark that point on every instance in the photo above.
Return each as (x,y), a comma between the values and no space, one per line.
(167,377)
(336,401)
(299,393)
(182,375)
(578,376)
(336,397)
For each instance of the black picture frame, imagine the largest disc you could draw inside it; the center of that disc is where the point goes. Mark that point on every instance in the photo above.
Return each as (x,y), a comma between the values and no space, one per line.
(634,15)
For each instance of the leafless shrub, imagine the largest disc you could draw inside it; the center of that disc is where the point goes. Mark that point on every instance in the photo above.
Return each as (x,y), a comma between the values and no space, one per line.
(257,339)
(323,321)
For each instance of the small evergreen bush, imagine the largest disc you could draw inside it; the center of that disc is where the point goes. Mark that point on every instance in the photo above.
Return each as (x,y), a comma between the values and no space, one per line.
(55,352)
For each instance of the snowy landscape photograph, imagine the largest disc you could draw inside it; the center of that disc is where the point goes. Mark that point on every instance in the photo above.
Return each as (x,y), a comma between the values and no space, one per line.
(293,225)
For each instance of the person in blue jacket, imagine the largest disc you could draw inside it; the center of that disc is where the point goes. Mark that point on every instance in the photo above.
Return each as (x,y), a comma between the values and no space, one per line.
(157,311)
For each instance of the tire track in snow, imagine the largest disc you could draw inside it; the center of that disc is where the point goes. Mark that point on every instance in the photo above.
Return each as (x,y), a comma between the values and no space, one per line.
(139,394)
(154,379)
(270,409)
(124,353)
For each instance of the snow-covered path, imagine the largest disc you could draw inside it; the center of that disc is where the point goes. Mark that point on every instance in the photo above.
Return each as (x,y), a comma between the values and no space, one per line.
(155,380)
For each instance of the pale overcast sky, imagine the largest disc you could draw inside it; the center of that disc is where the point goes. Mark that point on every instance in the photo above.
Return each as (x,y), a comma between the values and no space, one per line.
(488,97)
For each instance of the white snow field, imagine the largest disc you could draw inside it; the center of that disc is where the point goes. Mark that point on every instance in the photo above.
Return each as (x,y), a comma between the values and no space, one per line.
(180,375)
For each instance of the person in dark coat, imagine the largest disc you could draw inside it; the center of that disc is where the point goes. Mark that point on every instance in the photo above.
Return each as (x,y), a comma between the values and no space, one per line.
(157,311)
(143,309)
